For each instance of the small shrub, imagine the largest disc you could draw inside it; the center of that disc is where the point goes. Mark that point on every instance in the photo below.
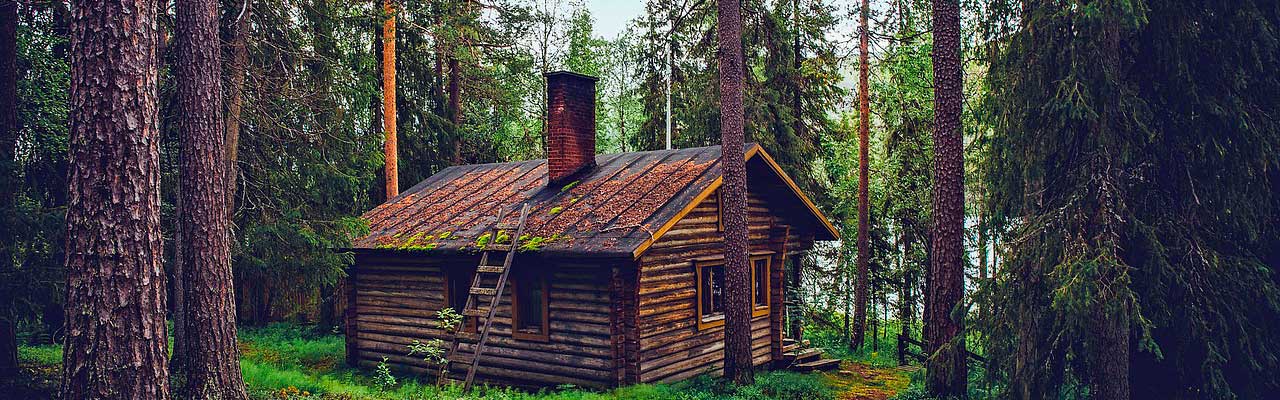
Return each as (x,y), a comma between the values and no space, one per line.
(382,377)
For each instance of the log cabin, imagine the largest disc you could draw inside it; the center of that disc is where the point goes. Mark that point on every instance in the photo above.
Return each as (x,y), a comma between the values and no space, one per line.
(618,279)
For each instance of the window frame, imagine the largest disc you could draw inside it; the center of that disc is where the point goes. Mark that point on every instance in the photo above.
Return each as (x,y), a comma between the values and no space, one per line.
(719,211)
(715,321)
(521,276)
(757,310)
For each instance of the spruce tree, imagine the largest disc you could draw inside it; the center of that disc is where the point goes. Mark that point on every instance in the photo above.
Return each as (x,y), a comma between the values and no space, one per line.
(1134,161)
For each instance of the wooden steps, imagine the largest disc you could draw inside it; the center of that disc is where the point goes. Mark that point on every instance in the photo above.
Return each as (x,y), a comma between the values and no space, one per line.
(799,357)
(825,364)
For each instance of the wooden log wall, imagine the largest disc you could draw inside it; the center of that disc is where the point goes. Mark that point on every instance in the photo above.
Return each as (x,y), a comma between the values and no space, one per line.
(396,299)
(672,348)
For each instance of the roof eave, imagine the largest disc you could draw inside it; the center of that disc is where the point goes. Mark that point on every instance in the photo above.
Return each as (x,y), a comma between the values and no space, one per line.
(830,231)
(620,253)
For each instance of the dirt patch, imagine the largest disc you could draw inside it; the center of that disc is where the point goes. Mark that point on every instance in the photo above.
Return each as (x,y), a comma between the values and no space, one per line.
(863,382)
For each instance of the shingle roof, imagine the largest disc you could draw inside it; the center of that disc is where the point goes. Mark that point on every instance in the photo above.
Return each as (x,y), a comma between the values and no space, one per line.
(612,210)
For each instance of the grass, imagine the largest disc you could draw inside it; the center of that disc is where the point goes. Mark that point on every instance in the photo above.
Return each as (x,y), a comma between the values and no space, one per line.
(877,350)
(291,362)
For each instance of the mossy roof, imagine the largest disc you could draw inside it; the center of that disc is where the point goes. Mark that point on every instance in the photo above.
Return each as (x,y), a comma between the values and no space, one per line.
(616,209)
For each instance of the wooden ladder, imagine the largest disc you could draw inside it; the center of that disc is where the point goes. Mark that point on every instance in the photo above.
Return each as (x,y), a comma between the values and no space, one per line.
(473,309)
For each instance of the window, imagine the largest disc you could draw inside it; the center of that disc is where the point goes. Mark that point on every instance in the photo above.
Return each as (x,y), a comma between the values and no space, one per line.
(710,281)
(529,305)
(760,286)
(710,295)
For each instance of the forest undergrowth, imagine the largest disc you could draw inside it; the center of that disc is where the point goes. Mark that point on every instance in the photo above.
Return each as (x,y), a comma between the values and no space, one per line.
(295,362)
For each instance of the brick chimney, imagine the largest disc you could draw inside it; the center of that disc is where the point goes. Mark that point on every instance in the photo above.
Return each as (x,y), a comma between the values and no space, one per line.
(571,125)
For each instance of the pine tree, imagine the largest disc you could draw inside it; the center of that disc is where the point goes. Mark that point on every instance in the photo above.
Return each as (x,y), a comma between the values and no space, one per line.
(946,374)
(116,339)
(864,129)
(212,359)
(737,293)
(389,146)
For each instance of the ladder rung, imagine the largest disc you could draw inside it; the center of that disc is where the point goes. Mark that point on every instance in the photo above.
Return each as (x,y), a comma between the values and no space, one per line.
(490,269)
(483,291)
(460,358)
(467,336)
(476,312)
(498,247)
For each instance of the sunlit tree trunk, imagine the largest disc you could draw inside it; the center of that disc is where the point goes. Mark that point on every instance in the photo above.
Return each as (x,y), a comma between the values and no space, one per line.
(116,339)
(737,294)
(946,369)
(389,98)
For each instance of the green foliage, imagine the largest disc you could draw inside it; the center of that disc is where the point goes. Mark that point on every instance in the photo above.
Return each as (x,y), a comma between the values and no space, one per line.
(43,355)
(1141,189)
(382,377)
(31,243)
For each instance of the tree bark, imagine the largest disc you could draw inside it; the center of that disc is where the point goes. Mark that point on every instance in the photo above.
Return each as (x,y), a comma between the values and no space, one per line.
(946,373)
(8,170)
(389,98)
(116,338)
(455,108)
(1110,380)
(236,71)
(737,294)
(864,122)
(212,367)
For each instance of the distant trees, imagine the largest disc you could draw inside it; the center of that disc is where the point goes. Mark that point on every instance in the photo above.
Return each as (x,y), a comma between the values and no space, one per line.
(8,176)
(946,373)
(211,363)
(116,339)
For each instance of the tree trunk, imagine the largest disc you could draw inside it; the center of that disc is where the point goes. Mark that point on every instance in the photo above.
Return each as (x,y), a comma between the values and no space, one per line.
(797,91)
(212,367)
(1110,380)
(946,370)
(389,98)
(737,294)
(864,241)
(8,170)
(455,108)
(116,338)
(177,289)
(236,71)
